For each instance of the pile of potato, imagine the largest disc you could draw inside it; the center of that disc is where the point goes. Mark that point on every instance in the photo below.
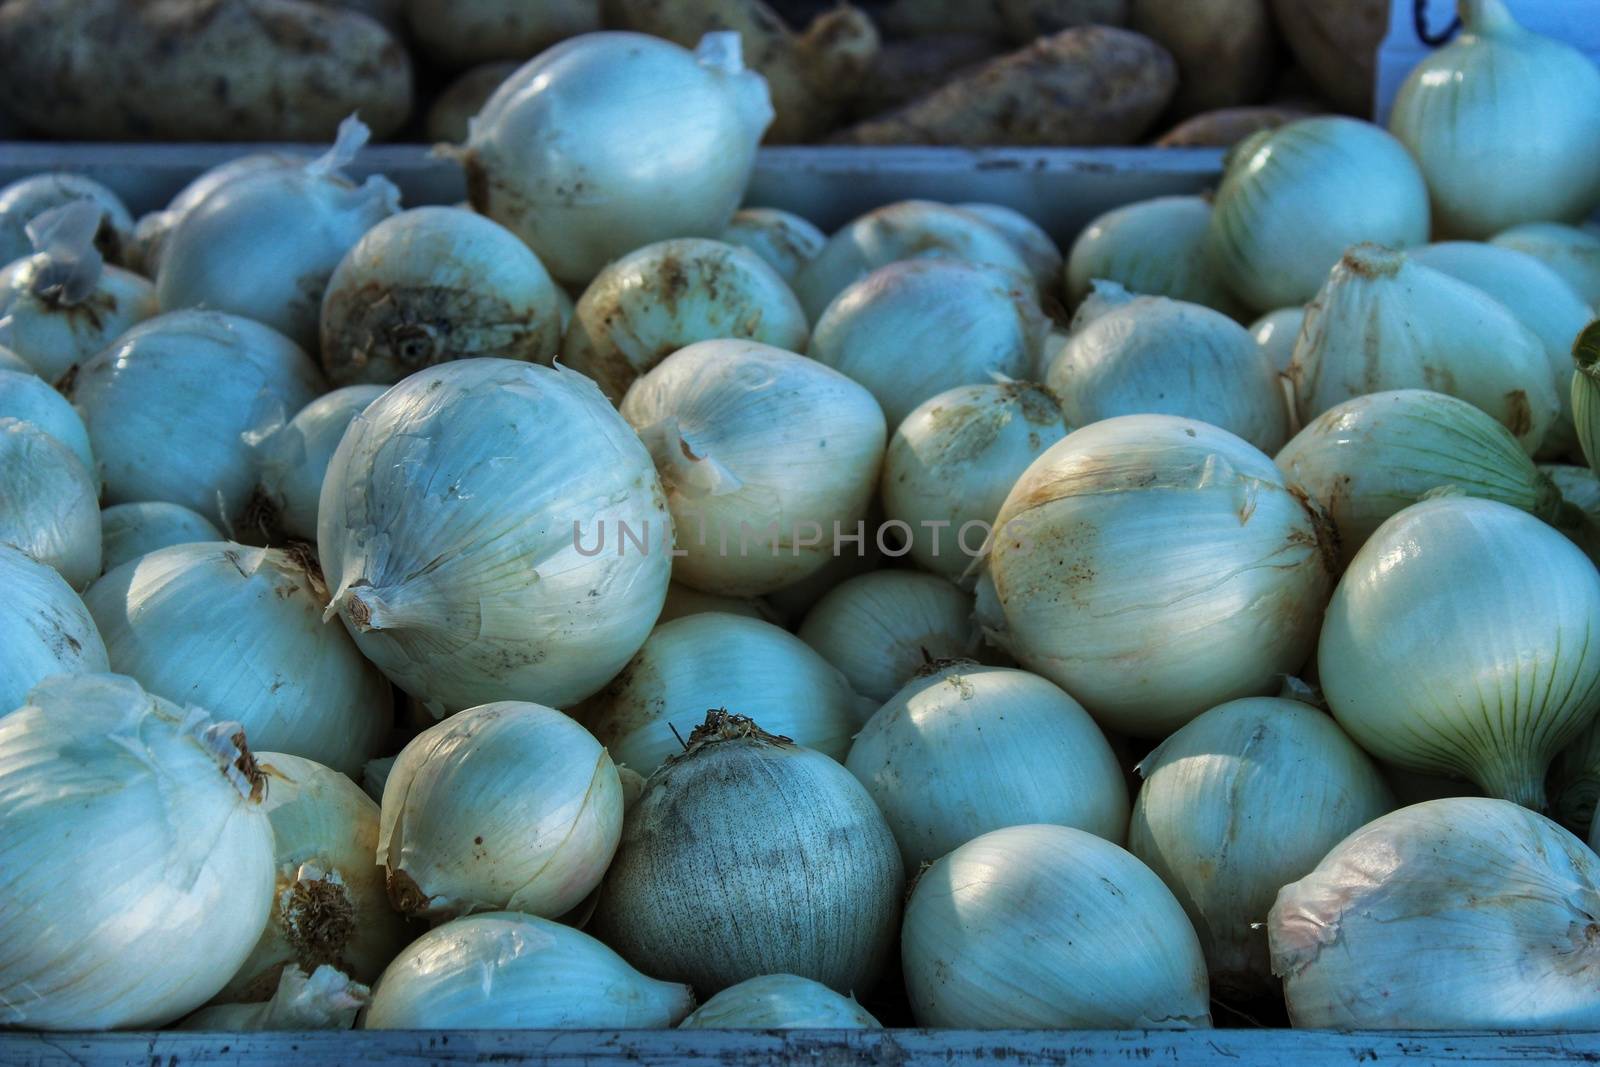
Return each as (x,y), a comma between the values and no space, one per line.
(944,72)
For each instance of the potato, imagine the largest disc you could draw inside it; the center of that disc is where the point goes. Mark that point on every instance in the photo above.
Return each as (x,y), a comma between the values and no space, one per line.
(1227,50)
(1336,41)
(1090,86)
(464,98)
(389,12)
(809,75)
(906,69)
(1017,20)
(199,70)
(1228,126)
(462,33)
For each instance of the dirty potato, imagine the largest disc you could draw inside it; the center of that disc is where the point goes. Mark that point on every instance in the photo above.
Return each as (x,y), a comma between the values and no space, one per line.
(464,98)
(1336,41)
(1017,20)
(461,33)
(1228,126)
(1227,50)
(906,69)
(224,70)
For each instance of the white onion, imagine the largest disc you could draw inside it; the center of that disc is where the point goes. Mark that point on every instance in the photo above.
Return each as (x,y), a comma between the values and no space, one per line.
(505,970)
(783,239)
(434,284)
(713,660)
(1570,252)
(1036,247)
(610,141)
(151,232)
(1371,456)
(907,229)
(240,631)
(879,629)
(657,299)
(913,329)
(1458,914)
(10,361)
(954,458)
(1158,247)
(326,999)
(23,201)
(44,629)
(1088,584)
(1579,515)
(1330,182)
(504,807)
(27,398)
(1575,783)
(779,1002)
(1135,355)
(851,558)
(128,531)
(1276,333)
(138,861)
(458,524)
(293,460)
(328,907)
(1385,322)
(964,749)
(264,244)
(817,893)
(1047,926)
(682,601)
(1503,123)
(766,457)
(1458,643)
(1247,797)
(176,405)
(50,508)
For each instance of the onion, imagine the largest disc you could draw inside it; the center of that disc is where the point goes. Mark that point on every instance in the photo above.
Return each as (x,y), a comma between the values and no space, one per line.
(10,361)
(1247,797)
(1158,247)
(783,239)
(176,405)
(913,329)
(1458,914)
(508,806)
(779,1002)
(128,531)
(27,398)
(457,529)
(326,999)
(1579,516)
(1586,393)
(264,244)
(1330,181)
(1503,123)
(50,510)
(1047,926)
(851,558)
(1087,584)
(455,33)
(907,229)
(1458,643)
(1570,252)
(683,601)
(1384,322)
(504,970)
(23,201)
(1369,457)
(1276,333)
(953,460)
(138,861)
(240,630)
(665,296)
(329,908)
(611,141)
(151,233)
(45,629)
(435,284)
(1575,782)
(821,903)
(293,460)
(964,749)
(718,660)
(879,629)
(1036,247)
(767,458)
(1134,355)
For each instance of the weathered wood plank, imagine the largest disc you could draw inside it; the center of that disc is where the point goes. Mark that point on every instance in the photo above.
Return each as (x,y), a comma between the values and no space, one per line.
(711,1048)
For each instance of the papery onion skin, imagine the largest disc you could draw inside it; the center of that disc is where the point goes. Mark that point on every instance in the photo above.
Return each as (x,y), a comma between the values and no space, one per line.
(1457,914)
(1245,798)
(151,232)
(326,999)
(128,531)
(505,970)
(458,569)
(665,296)
(1503,123)
(1331,181)
(963,749)
(162,869)
(294,460)
(600,145)
(51,510)
(507,806)
(1370,457)
(783,239)
(1460,641)
(879,629)
(52,334)
(23,201)
(1570,252)
(45,629)
(241,631)
(713,659)
(1084,577)
(1157,247)
(823,902)
(1047,926)
(779,1002)
(26,397)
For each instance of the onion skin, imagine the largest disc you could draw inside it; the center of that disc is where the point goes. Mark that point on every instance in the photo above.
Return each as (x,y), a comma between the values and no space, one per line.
(1570,252)
(51,510)
(128,531)
(880,629)
(779,1001)
(784,240)
(1157,247)
(44,631)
